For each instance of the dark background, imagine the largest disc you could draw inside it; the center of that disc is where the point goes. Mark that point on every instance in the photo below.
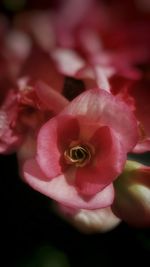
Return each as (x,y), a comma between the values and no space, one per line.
(34,236)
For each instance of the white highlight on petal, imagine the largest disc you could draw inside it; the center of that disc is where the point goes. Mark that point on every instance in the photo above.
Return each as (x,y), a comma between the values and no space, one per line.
(69,62)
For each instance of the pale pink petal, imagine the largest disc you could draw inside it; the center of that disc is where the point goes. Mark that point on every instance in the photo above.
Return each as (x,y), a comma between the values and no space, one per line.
(102,108)
(101,78)
(54,137)
(68,61)
(61,189)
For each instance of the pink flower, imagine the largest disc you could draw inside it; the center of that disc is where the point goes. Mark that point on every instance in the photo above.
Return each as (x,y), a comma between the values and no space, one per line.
(82,150)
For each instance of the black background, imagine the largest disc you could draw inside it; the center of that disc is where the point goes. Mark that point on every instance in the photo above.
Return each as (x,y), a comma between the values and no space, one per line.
(33,234)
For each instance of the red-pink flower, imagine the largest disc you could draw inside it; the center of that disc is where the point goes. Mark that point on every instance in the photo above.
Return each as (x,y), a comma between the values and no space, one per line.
(82,150)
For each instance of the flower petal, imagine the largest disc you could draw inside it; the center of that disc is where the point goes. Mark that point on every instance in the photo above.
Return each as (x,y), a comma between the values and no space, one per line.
(53,138)
(68,61)
(39,66)
(101,107)
(63,191)
(108,161)
(51,98)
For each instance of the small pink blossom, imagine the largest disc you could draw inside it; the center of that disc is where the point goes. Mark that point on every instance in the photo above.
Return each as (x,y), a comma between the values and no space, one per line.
(82,150)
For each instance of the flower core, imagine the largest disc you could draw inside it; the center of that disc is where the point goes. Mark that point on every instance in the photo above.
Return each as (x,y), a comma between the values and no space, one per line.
(78,155)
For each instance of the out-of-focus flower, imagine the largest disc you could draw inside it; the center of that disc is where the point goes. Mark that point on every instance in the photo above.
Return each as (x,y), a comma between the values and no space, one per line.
(82,150)
(137,96)
(132,195)
(85,43)
(24,110)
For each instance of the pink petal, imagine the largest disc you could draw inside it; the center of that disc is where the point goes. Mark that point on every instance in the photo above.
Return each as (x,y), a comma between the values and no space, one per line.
(98,106)
(53,138)
(63,191)
(107,163)
(51,99)
(142,147)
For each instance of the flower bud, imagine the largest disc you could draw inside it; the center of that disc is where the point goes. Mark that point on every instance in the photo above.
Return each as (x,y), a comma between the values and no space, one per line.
(89,221)
(132,195)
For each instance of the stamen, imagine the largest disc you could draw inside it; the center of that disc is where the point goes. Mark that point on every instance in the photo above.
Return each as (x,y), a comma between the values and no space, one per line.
(78,155)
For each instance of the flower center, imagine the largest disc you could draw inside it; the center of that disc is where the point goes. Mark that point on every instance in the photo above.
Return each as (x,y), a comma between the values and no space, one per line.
(78,155)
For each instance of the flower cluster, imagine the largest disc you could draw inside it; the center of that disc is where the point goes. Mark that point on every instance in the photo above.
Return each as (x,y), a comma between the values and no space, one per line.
(74,106)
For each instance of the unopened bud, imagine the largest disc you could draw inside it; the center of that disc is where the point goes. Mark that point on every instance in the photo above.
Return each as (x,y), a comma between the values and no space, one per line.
(89,221)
